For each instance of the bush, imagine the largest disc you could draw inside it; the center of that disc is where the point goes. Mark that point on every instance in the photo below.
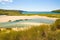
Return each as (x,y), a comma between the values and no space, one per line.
(57,23)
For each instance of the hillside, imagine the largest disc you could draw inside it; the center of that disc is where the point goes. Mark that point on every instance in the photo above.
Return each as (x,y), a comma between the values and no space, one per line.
(10,12)
(58,11)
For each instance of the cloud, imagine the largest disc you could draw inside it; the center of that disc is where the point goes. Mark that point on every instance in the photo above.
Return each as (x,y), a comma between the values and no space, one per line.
(6,1)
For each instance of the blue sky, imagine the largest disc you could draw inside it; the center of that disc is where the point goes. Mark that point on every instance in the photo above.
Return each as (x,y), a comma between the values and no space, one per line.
(30,5)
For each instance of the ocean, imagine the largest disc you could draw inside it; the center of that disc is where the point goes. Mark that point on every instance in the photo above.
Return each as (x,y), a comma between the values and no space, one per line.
(40,13)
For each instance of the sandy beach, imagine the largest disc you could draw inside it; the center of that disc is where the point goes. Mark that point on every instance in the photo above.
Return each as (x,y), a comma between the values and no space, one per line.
(13,18)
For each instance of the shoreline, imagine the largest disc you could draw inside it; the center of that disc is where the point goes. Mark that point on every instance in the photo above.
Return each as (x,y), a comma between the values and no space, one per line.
(13,18)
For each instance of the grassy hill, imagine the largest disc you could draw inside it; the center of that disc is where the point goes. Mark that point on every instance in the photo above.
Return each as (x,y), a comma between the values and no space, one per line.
(10,12)
(58,11)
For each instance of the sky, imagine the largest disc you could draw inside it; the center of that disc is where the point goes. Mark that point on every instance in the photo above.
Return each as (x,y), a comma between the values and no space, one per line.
(30,5)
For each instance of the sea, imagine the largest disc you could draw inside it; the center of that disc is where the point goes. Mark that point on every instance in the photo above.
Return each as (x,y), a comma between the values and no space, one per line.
(40,12)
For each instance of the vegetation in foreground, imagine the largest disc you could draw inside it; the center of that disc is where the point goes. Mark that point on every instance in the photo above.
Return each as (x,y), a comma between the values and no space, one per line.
(42,32)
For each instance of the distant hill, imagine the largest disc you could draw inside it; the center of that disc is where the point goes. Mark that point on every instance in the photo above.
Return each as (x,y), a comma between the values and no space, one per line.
(58,11)
(10,12)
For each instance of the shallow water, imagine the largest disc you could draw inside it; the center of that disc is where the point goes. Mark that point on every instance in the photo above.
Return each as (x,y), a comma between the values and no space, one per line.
(28,22)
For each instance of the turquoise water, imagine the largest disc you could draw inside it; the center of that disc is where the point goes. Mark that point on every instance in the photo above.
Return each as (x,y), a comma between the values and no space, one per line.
(40,13)
(18,23)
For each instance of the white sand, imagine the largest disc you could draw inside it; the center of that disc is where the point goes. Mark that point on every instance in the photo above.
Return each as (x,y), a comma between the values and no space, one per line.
(12,18)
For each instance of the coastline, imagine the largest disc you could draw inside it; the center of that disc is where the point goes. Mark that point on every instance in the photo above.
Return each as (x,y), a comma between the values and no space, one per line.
(13,18)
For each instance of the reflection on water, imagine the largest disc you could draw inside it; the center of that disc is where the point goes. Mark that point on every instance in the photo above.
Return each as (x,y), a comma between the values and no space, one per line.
(26,22)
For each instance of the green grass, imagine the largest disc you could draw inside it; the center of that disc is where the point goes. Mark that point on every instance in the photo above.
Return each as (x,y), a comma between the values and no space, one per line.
(48,15)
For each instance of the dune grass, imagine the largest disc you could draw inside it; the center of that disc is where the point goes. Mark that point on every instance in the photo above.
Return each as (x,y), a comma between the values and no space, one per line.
(42,32)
